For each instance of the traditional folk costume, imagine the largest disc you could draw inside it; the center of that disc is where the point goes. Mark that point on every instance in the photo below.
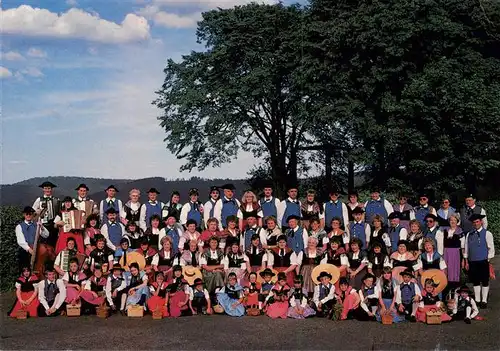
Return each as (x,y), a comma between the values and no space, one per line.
(297,238)
(158,298)
(113,232)
(187,237)
(277,301)
(465,307)
(341,235)
(396,234)
(116,283)
(380,207)
(229,295)
(51,205)
(356,260)
(93,294)
(199,298)
(430,302)
(309,211)
(288,207)
(26,287)
(266,285)
(63,237)
(252,295)
(147,211)
(269,206)
(443,217)
(101,257)
(324,295)
(339,259)
(386,290)
(320,234)
(89,239)
(405,259)
(178,292)
(134,236)
(163,261)
(431,260)
(349,300)
(368,296)
(437,235)
(249,210)
(153,234)
(362,231)
(414,241)
(257,257)
(407,294)
(248,233)
(224,208)
(51,294)
(175,233)
(377,262)
(422,211)
(335,209)
(133,213)
(192,211)
(64,256)
(235,263)
(228,238)
(25,236)
(73,278)
(111,203)
(307,261)
(465,217)
(298,301)
(190,258)
(140,295)
(269,237)
(453,242)
(405,214)
(281,260)
(209,206)
(212,279)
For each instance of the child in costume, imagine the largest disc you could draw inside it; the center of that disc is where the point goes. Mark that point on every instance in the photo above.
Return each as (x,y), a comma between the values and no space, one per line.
(277,300)
(116,289)
(199,299)
(265,289)
(465,307)
(178,296)
(430,301)
(386,291)
(73,279)
(348,298)
(93,293)
(158,295)
(368,298)
(230,297)
(26,293)
(299,307)
(252,292)
(408,295)
(324,295)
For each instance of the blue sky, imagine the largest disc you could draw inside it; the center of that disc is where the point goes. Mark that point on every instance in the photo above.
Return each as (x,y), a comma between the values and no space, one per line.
(78,77)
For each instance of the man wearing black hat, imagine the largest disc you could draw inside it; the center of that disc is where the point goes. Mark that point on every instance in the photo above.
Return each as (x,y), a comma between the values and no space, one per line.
(269,203)
(209,207)
(227,206)
(423,209)
(150,208)
(25,236)
(289,207)
(479,249)
(432,231)
(111,202)
(192,210)
(396,231)
(468,210)
(82,202)
(50,206)
(377,206)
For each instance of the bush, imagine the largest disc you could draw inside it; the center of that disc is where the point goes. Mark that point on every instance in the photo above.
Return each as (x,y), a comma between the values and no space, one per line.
(492,208)
(10,216)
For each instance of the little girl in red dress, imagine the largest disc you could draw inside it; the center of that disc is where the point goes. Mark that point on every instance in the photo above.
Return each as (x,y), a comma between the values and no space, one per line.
(252,292)
(279,297)
(27,294)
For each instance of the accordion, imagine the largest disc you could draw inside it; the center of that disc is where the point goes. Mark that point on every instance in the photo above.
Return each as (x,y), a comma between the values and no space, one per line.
(74,219)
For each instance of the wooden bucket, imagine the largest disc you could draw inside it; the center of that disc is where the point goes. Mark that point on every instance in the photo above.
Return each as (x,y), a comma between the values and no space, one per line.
(433,317)
(136,311)
(73,310)
(387,318)
(102,311)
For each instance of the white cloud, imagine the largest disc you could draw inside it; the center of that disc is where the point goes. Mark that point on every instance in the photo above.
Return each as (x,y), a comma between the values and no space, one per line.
(75,23)
(5,73)
(72,3)
(32,72)
(168,19)
(12,56)
(35,52)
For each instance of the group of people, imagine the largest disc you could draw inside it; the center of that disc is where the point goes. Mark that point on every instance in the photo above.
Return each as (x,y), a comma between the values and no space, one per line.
(286,259)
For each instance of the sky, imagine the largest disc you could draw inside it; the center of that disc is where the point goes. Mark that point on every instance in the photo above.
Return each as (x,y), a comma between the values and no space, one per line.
(77,80)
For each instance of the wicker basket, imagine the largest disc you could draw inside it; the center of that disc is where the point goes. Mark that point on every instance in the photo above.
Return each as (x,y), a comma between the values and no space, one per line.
(102,311)
(433,317)
(158,313)
(252,311)
(22,314)
(73,310)
(387,318)
(135,311)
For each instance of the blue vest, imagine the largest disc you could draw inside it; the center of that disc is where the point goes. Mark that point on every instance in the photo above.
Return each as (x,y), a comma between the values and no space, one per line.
(229,208)
(248,236)
(374,207)
(358,231)
(105,207)
(29,232)
(431,234)
(333,210)
(269,207)
(291,208)
(212,209)
(173,233)
(394,236)
(198,294)
(194,213)
(420,213)
(477,247)
(115,233)
(324,291)
(407,292)
(295,241)
(152,210)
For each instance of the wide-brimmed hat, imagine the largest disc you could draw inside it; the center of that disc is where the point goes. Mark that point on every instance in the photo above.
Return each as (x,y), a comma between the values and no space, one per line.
(464,288)
(330,269)
(292,217)
(117,267)
(437,276)
(131,258)
(47,184)
(475,217)
(268,271)
(191,273)
(29,210)
(111,187)
(396,273)
(407,272)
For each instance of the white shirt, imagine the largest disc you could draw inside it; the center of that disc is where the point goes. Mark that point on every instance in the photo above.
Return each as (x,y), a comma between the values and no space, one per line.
(399,295)
(59,297)
(346,237)
(268,199)
(362,297)
(282,208)
(21,240)
(104,232)
(387,262)
(439,240)
(368,231)
(489,243)
(403,233)
(143,221)
(79,203)
(207,208)
(166,254)
(294,302)
(185,210)
(218,209)
(330,296)
(474,310)
(305,236)
(429,258)
(483,213)
(213,255)
(300,257)
(163,233)
(51,211)
(345,214)
(355,256)
(121,212)
(107,289)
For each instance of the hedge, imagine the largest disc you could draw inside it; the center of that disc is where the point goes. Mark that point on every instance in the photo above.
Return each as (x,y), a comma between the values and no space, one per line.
(10,216)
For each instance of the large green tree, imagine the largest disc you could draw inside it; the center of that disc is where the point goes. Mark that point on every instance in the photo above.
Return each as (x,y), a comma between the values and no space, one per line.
(418,83)
(246,91)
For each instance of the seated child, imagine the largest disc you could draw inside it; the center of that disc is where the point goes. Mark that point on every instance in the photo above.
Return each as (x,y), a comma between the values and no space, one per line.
(299,308)
(158,295)
(230,297)
(348,298)
(137,286)
(386,292)
(73,280)
(267,275)
(324,295)
(408,296)
(277,300)
(199,298)
(116,289)
(93,293)
(178,294)
(465,307)
(51,294)
(252,292)
(123,250)
(368,298)
(430,301)
(134,234)
(26,293)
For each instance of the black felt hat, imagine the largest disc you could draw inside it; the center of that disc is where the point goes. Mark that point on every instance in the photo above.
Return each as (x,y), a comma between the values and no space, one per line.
(47,184)
(82,186)
(111,187)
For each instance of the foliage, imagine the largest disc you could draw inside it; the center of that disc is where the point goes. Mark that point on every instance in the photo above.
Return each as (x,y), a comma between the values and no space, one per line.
(492,208)
(9,218)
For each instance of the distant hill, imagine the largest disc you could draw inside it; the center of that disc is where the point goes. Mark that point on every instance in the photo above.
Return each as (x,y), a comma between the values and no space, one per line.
(24,193)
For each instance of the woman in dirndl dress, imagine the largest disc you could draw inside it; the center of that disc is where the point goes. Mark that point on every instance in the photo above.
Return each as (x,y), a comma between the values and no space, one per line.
(453,238)
(91,230)
(73,280)
(310,209)
(336,232)
(231,297)
(283,259)
(386,291)
(165,258)
(211,264)
(415,237)
(308,259)
(93,293)
(158,297)
(235,262)
(270,234)
(377,259)
(357,263)
(249,207)
(153,231)
(256,255)
(133,208)
(64,236)
(137,286)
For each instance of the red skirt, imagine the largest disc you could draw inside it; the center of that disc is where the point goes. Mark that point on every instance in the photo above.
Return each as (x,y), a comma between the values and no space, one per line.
(173,304)
(289,276)
(90,298)
(155,302)
(63,238)
(71,294)
(31,308)
(278,309)
(252,300)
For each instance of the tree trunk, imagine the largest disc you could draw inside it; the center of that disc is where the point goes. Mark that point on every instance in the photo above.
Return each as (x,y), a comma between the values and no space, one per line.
(350,175)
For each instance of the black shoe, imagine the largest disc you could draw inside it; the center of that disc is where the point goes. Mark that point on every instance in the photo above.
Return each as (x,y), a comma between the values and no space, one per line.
(467,321)
(485,305)
(123,313)
(412,319)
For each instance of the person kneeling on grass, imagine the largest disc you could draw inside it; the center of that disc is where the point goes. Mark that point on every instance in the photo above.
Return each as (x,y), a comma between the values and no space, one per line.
(324,295)
(51,293)
(465,307)
(199,298)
